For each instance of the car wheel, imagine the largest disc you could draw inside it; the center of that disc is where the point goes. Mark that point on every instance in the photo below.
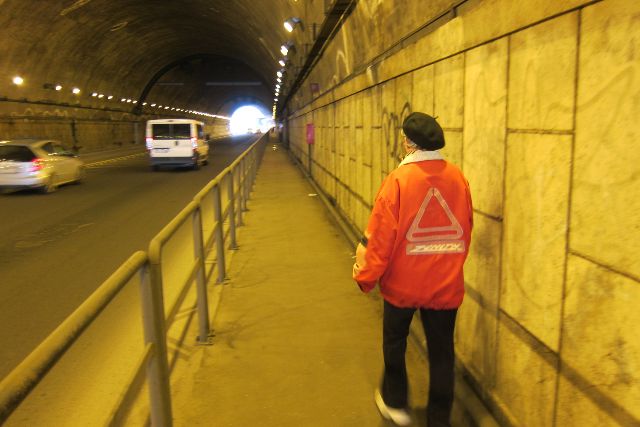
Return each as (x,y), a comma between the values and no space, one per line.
(49,186)
(79,175)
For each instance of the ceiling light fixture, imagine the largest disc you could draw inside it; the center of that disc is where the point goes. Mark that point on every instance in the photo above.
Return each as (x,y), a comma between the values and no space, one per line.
(293,22)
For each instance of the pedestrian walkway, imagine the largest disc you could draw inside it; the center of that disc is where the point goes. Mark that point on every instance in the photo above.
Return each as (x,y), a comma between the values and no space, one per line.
(296,343)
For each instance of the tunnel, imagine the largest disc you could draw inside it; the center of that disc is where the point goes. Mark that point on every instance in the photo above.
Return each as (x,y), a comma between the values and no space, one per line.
(539,102)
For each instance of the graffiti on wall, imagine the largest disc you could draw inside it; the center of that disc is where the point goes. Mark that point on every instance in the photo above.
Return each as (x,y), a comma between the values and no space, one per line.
(391,127)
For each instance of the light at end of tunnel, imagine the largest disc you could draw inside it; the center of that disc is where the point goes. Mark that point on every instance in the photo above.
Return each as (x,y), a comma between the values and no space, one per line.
(17,80)
(58,87)
(75,90)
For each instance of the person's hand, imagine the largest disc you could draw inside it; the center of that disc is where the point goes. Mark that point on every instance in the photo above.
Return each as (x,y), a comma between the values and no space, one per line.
(356,270)
(361,251)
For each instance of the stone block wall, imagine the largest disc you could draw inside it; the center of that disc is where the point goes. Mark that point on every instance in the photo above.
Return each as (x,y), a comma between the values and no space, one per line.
(540,103)
(86,129)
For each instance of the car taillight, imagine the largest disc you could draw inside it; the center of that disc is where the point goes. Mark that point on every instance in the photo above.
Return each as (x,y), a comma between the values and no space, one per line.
(36,165)
(149,143)
(194,143)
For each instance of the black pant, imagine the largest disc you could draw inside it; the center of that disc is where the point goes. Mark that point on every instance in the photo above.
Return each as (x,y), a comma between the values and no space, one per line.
(438,328)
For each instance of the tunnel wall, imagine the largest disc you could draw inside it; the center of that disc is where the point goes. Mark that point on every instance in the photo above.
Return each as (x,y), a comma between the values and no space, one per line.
(85,129)
(539,101)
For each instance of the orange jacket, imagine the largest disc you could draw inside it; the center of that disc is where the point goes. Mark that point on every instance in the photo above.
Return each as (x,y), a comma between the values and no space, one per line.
(418,235)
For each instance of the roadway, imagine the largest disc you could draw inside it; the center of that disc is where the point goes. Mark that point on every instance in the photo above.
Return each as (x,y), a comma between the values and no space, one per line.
(56,249)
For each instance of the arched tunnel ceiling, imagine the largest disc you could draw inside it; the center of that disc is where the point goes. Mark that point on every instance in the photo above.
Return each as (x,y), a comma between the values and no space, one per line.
(201,54)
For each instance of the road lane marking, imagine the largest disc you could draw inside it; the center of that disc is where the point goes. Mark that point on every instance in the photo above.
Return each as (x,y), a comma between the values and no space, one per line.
(111,161)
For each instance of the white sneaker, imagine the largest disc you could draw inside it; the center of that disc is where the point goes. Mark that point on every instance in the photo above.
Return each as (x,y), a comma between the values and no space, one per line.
(398,416)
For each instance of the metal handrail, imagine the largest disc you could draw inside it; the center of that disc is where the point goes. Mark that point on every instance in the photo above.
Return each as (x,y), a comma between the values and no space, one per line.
(29,373)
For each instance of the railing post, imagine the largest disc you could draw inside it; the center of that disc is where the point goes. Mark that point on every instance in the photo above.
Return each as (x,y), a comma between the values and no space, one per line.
(155,333)
(254,168)
(237,195)
(219,232)
(247,180)
(233,244)
(201,282)
(243,184)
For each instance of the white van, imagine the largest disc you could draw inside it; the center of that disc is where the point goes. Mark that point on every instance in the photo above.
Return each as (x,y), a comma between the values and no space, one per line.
(176,142)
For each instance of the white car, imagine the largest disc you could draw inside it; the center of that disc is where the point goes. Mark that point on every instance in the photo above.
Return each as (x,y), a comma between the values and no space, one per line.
(37,163)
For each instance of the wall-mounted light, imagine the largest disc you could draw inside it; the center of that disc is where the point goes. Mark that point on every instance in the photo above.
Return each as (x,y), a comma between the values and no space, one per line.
(94,94)
(282,63)
(75,91)
(279,80)
(279,74)
(17,80)
(287,47)
(100,96)
(58,87)
(293,22)
(110,97)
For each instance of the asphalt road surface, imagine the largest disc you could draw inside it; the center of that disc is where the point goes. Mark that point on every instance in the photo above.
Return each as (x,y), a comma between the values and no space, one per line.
(56,249)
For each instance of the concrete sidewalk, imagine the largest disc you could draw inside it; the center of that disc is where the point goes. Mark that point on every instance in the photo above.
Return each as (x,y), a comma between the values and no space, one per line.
(296,342)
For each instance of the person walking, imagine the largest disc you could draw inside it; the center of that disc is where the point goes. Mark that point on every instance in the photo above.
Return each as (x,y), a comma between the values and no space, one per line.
(414,247)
